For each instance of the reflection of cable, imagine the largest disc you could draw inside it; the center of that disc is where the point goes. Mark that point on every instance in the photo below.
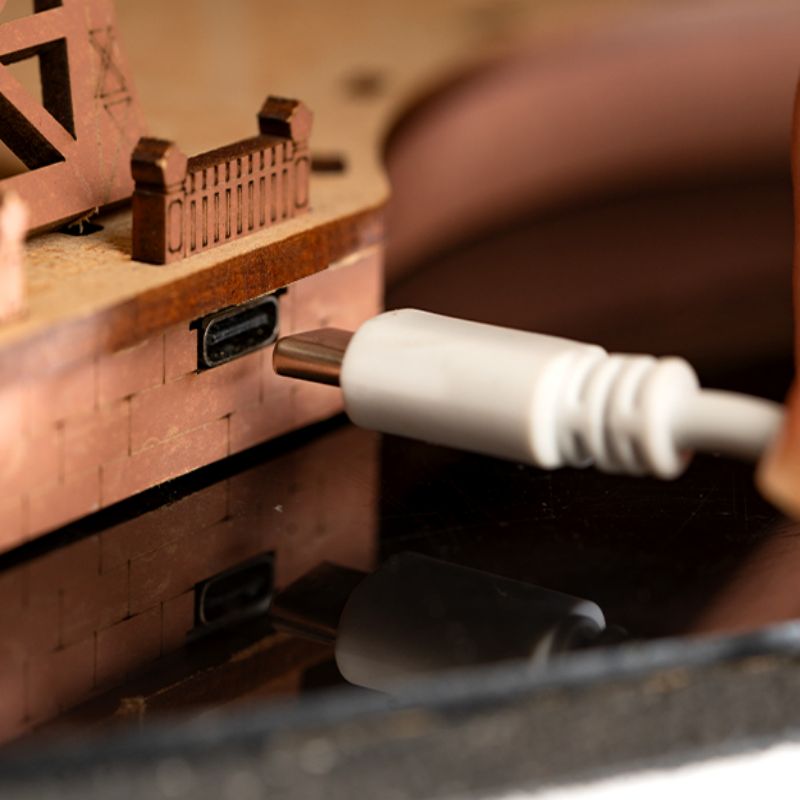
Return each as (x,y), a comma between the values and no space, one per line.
(416,615)
(527,397)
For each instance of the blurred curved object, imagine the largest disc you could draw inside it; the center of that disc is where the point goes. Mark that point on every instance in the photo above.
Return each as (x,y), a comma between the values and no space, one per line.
(669,92)
(624,180)
(779,473)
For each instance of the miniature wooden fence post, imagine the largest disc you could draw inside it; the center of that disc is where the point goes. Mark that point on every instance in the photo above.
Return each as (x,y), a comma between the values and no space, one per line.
(291,120)
(159,170)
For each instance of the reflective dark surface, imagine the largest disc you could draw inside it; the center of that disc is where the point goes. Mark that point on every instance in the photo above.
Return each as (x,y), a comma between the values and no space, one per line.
(661,559)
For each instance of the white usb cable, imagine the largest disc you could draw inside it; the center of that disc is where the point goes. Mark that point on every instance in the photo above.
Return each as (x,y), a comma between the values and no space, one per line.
(527,397)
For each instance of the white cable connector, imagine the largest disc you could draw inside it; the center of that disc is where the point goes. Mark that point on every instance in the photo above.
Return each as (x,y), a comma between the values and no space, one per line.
(528,397)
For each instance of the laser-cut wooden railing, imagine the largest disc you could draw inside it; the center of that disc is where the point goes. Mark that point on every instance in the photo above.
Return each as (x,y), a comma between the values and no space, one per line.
(183,206)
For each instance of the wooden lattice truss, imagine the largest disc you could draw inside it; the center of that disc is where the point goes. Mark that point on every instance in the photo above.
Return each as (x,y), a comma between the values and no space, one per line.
(76,142)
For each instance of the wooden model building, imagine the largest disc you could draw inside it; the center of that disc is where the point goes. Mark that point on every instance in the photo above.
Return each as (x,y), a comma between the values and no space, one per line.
(139,350)
(118,375)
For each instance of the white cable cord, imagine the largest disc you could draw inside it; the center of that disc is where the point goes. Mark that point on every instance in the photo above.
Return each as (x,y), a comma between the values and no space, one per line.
(728,423)
(540,399)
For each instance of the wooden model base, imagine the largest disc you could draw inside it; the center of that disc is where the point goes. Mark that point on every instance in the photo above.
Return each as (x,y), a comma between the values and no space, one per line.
(106,428)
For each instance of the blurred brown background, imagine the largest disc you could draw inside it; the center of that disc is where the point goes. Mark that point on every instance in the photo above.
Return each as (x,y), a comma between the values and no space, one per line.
(627,182)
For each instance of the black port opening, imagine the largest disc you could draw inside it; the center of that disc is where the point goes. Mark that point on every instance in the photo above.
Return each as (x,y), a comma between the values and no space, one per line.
(238,594)
(236,331)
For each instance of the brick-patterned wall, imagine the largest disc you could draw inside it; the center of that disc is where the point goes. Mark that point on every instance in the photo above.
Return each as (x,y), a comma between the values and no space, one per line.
(79,620)
(109,428)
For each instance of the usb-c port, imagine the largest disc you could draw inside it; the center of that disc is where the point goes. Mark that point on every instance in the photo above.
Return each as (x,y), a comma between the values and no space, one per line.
(236,331)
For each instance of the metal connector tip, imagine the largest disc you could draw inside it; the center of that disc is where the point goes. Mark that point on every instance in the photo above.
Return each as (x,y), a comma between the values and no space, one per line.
(312,356)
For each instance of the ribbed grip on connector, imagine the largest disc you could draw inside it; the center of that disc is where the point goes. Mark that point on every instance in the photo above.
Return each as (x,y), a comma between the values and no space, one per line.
(619,415)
